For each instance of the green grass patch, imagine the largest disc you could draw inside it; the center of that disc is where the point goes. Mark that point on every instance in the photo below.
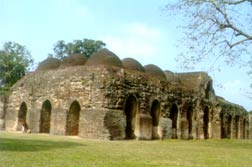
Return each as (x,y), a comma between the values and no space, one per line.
(35,150)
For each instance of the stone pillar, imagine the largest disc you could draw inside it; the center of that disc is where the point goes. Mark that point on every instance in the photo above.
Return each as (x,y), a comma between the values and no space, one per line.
(216,127)
(3,107)
(250,126)
(241,129)
(238,129)
(247,130)
(145,127)
(58,121)
(200,125)
(184,128)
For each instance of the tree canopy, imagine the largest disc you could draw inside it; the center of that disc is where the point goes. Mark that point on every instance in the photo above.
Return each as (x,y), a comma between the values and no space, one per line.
(214,30)
(15,61)
(86,47)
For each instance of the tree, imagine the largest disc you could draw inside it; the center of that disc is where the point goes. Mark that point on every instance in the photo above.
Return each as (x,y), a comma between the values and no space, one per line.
(15,61)
(60,49)
(214,30)
(86,47)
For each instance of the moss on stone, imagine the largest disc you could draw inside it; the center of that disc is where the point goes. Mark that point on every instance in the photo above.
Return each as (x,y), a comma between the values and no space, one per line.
(104,57)
(49,64)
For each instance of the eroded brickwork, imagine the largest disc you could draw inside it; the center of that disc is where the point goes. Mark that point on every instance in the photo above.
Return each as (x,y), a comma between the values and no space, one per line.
(114,100)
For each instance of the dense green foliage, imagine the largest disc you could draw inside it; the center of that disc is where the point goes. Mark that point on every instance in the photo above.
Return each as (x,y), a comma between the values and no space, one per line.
(15,61)
(23,150)
(86,47)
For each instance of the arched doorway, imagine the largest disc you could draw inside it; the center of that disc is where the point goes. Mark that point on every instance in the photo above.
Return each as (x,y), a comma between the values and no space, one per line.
(237,120)
(222,126)
(155,114)
(72,123)
(45,117)
(174,118)
(189,116)
(130,110)
(22,117)
(206,122)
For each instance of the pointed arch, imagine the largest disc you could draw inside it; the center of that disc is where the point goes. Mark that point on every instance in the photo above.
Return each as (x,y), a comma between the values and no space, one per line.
(189,117)
(72,121)
(222,126)
(174,118)
(22,114)
(206,123)
(155,114)
(130,110)
(236,126)
(45,117)
(229,127)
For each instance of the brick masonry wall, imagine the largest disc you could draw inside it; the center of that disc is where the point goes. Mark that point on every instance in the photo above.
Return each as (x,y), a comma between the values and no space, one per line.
(101,93)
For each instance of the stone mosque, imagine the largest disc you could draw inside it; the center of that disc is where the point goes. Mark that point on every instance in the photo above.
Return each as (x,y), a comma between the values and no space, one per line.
(106,98)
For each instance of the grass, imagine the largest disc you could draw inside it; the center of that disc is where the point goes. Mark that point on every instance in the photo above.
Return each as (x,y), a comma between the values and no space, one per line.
(35,150)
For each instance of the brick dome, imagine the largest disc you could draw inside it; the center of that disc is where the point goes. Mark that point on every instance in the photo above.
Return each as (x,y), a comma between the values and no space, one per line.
(132,64)
(169,74)
(74,60)
(155,71)
(48,64)
(104,57)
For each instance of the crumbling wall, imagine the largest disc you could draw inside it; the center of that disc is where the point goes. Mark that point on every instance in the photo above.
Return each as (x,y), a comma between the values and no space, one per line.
(61,88)
(115,103)
(233,120)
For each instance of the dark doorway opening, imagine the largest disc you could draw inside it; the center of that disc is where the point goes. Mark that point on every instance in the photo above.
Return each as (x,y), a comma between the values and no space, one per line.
(73,116)
(22,117)
(222,126)
(45,117)
(189,117)
(130,109)
(206,122)
(229,124)
(155,114)
(237,120)
(174,117)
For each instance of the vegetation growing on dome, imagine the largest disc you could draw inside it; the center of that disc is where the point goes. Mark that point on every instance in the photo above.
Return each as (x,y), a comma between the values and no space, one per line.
(155,71)
(49,64)
(73,60)
(104,57)
(132,64)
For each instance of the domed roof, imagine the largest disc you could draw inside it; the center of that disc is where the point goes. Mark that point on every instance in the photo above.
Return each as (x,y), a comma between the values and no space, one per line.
(169,74)
(132,64)
(104,57)
(155,71)
(74,60)
(49,64)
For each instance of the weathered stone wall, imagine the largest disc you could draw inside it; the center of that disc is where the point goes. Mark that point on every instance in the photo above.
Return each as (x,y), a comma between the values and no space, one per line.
(115,103)
(61,88)
(233,120)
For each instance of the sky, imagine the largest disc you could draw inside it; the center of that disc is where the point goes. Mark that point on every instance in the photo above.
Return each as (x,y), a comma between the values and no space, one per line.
(139,29)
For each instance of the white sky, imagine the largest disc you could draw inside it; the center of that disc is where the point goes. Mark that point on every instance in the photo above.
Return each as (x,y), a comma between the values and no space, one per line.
(138,29)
